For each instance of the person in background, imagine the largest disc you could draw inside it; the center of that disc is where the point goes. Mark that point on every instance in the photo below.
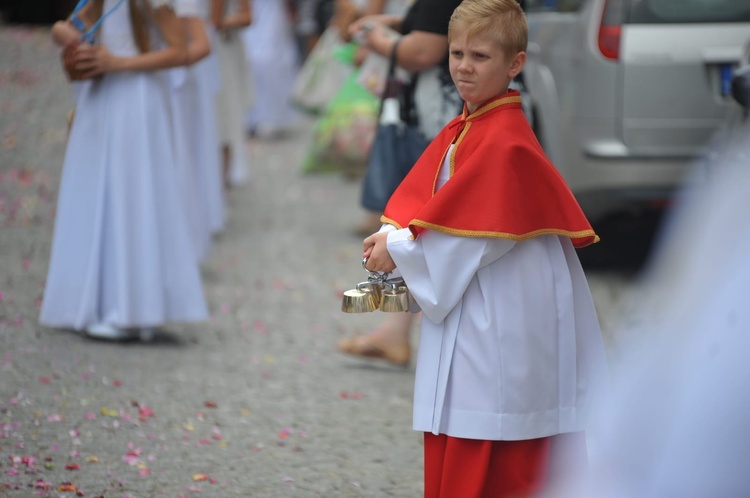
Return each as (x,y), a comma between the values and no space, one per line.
(483,232)
(121,262)
(423,46)
(206,73)
(274,61)
(229,19)
(190,139)
(306,26)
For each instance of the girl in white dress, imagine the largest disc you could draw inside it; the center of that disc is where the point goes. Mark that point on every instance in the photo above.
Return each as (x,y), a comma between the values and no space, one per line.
(194,126)
(122,262)
(274,59)
(208,80)
(229,18)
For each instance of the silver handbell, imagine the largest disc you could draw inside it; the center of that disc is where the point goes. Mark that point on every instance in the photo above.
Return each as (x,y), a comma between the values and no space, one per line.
(395,297)
(364,298)
(377,293)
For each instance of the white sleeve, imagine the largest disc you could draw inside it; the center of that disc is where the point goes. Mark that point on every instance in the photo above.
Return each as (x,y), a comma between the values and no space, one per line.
(438,267)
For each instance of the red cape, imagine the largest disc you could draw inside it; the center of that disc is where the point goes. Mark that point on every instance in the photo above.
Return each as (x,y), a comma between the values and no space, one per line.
(501,183)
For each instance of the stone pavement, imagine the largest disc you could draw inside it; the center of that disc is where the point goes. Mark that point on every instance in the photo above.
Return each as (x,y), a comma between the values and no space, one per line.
(255,403)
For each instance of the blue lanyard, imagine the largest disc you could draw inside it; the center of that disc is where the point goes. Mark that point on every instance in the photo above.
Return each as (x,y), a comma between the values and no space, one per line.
(88,35)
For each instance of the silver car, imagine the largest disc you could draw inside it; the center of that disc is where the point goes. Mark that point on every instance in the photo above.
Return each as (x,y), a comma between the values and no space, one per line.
(626,94)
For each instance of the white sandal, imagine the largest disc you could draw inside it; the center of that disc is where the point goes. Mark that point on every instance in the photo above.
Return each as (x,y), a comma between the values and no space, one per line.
(107,332)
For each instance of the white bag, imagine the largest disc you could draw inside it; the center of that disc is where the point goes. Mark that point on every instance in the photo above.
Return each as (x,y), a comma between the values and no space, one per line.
(373,73)
(321,75)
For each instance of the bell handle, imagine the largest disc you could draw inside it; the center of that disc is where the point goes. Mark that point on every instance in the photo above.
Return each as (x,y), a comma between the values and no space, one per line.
(362,285)
(375,276)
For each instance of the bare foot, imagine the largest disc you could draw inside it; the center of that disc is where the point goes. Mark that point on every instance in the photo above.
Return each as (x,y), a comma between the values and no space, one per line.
(389,342)
(369,225)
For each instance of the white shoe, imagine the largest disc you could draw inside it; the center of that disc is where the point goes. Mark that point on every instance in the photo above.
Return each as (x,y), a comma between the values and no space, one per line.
(107,332)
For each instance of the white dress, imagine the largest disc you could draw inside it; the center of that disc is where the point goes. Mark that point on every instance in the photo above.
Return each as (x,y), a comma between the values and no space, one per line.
(510,343)
(121,252)
(196,143)
(236,96)
(208,80)
(274,59)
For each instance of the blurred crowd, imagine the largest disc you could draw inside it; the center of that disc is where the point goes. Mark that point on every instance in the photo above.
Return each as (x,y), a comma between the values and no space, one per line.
(166,94)
(187,82)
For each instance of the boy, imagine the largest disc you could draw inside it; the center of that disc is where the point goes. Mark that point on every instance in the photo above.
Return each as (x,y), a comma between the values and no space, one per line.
(483,231)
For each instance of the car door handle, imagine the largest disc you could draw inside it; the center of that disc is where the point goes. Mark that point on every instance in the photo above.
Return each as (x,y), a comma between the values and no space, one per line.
(722,55)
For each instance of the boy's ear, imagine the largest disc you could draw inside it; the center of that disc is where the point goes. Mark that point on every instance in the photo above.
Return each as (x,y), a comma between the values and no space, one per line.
(517,65)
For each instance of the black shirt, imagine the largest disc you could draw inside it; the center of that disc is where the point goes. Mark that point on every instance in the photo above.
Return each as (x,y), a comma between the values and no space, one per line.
(431,16)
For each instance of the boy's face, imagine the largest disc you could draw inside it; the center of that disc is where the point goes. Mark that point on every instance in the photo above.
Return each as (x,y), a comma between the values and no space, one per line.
(480,68)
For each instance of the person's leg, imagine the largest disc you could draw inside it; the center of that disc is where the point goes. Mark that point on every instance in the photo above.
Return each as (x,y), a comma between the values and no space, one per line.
(369,225)
(469,468)
(226,158)
(390,341)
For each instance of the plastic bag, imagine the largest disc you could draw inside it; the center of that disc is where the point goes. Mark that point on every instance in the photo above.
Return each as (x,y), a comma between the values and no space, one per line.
(322,74)
(343,135)
(373,73)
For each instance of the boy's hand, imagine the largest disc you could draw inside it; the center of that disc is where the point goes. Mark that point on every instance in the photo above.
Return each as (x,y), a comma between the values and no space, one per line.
(376,252)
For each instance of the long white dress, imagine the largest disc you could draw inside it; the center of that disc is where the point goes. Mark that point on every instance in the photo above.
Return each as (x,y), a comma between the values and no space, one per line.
(208,80)
(196,143)
(274,61)
(121,253)
(236,96)
(510,346)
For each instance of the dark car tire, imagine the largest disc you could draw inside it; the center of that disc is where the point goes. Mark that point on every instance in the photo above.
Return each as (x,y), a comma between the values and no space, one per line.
(537,125)
(741,86)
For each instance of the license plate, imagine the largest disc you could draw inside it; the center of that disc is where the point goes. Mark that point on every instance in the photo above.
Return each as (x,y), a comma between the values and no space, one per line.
(726,71)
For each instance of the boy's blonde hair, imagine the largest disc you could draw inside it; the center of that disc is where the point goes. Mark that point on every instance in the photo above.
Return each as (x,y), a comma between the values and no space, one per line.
(502,20)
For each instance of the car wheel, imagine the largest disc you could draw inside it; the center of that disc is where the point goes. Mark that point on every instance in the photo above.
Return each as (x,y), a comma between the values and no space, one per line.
(536,125)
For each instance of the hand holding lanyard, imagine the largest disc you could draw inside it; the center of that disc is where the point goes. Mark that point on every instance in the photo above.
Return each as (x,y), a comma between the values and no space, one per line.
(87,36)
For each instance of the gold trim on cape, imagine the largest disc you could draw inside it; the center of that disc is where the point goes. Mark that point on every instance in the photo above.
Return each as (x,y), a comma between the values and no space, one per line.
(505,235)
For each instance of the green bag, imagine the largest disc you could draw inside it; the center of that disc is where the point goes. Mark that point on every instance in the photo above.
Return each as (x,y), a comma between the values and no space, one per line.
(344,133)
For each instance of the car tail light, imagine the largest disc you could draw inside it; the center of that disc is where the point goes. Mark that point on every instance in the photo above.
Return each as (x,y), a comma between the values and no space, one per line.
(610,29)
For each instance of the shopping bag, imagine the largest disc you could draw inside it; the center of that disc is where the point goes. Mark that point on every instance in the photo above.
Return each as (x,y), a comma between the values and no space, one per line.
(397,146)
(321,75)
(343,135)
(376,69)
(373,73)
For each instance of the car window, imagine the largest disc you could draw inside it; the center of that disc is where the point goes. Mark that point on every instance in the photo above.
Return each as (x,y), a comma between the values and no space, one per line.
(554,5)
(688,11)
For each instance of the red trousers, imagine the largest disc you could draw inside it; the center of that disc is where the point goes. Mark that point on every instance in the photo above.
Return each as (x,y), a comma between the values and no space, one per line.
(469,468)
